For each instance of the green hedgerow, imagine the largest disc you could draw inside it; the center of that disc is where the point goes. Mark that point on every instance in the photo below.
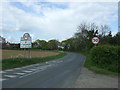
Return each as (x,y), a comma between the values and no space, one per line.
(106,57)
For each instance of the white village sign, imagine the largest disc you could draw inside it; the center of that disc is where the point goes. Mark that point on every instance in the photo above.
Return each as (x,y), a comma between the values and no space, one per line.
(26,41)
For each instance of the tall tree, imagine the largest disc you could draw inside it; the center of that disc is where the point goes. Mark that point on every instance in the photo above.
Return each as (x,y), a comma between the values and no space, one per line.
(53,44)
(41,44)
(104,30)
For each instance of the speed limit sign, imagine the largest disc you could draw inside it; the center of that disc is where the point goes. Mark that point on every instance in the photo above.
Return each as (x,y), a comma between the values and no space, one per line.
(95,40)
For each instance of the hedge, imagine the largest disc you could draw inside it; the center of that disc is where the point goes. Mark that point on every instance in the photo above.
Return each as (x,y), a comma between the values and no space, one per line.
(106,57)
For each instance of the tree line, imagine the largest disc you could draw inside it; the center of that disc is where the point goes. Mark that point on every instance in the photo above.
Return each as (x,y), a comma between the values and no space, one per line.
(82,38)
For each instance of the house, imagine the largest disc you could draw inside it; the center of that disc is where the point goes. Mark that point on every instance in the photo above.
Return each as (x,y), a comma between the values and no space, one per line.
(2,40)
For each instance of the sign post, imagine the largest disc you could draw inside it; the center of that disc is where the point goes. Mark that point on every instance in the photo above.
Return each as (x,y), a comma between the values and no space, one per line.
(95,40)
(24,52)
(26,42)
(29,53)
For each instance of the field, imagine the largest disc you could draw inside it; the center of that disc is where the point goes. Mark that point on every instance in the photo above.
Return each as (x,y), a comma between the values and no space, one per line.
(14,58)
(20,53)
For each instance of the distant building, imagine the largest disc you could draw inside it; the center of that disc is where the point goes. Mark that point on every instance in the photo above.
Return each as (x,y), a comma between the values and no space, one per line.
(2,40)
(60,47)
(8,45)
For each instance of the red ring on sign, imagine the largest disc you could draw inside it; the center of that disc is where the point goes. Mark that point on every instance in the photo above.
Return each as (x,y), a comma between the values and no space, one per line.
(25,38)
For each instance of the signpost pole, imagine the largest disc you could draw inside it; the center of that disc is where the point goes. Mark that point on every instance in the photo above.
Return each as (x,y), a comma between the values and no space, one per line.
(24,52)
(95,45)
(29,53)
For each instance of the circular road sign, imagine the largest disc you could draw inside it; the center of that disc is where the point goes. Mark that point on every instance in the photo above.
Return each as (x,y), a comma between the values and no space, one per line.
(95,40)
(26,36)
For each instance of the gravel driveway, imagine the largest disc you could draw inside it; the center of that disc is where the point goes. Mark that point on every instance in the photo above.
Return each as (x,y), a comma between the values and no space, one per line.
(89,79)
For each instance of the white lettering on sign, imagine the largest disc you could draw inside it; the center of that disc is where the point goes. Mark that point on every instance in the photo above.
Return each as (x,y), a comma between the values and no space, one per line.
(25,44)
(95,40)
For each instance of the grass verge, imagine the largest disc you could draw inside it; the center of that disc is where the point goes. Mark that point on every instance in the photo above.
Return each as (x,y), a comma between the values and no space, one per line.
(97,69)
(19,62)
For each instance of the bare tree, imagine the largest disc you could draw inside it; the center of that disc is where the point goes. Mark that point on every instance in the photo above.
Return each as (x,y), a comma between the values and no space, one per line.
(104,29)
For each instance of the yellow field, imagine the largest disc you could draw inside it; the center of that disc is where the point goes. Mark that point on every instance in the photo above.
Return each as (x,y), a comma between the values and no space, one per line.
(20,53)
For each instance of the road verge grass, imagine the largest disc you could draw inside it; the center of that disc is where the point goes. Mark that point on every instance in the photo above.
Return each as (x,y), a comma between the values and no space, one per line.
(19,62)
(88,64)
(96,69)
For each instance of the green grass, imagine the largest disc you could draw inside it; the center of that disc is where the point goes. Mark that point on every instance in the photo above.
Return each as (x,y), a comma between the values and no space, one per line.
(98,69)
(19,62)
(93,68)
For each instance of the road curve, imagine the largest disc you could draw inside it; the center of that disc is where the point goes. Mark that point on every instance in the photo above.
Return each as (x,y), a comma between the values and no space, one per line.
(59,73)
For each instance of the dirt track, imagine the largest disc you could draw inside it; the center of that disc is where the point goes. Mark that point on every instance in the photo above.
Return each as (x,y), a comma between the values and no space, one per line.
(15,53)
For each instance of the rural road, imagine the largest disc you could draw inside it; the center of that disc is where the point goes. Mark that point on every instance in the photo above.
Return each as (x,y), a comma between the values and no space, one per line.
(59,73)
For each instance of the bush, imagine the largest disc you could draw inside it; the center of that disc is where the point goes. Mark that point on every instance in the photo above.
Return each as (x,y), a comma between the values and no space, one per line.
(106,57)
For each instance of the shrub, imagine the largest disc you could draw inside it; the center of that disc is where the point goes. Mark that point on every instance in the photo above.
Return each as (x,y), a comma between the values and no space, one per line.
(106,57)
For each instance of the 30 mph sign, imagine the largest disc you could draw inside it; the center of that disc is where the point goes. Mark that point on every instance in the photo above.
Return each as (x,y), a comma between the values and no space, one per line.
(95,40)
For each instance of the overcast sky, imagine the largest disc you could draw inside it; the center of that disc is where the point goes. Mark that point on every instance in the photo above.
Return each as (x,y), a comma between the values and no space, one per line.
(53,20)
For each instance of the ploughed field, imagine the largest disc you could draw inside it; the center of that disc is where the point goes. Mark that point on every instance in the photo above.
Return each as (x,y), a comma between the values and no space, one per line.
(20,53)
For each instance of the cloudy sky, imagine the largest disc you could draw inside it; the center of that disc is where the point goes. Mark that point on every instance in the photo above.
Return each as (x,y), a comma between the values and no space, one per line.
(53,20)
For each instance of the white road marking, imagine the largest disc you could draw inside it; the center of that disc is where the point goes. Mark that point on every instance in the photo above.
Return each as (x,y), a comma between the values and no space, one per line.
(1,79)
(38,70)
(32,69)
(27,71)
(46,62)
(8,70)
(17,68)
(2,72)
(20,73)
(29,74)
(10,76)
(49,65)
(58,62)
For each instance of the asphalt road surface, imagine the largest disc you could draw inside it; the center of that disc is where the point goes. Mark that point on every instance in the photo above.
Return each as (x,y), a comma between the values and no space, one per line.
(59,73)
